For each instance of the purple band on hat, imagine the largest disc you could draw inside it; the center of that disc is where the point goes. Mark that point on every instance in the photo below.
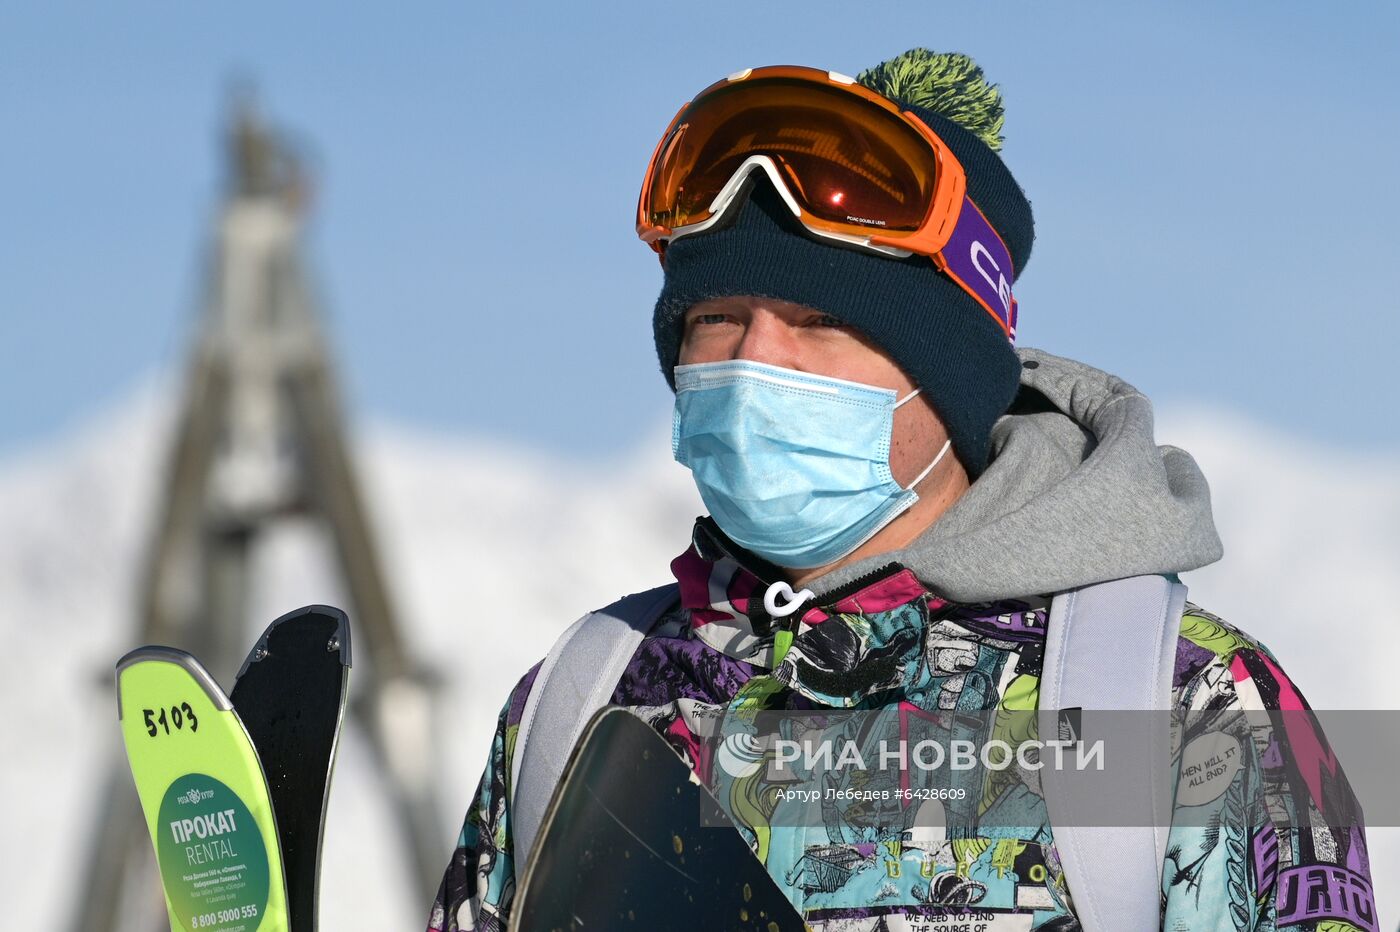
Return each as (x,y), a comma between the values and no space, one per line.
(978,259)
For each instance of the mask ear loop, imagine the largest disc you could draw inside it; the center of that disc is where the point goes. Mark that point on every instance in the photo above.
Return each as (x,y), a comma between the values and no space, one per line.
(929,468)
(941,453)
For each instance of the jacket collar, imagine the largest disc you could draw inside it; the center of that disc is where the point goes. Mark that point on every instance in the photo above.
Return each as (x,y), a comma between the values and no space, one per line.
(871,634)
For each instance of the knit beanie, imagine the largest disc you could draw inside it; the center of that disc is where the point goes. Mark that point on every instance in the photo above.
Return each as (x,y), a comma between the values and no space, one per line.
(943,339)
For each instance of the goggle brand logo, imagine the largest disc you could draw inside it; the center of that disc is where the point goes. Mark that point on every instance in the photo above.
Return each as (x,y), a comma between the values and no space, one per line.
(977,258)
(1000,285)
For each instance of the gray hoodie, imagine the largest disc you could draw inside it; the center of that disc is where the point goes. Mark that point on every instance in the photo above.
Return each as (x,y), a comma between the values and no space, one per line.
(1077,492)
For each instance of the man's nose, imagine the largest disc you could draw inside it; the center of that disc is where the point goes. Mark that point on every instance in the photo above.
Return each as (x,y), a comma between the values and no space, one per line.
(769,339)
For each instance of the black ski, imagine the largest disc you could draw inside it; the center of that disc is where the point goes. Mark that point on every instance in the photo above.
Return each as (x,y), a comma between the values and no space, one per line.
(623,846)
(291,695)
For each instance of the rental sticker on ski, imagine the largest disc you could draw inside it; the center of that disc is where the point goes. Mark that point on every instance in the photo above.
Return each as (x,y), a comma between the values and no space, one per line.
(204,796)
(211,856)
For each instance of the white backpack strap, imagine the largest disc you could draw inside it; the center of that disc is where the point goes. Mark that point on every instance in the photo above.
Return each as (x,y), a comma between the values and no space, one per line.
(1112,646)
(577,678)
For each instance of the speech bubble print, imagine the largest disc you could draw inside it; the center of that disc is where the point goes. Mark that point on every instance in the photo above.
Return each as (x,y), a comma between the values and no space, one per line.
(1208,766)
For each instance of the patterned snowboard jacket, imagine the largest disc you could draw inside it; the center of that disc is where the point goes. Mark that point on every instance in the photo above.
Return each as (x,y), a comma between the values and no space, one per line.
(1076,492)
(889,639)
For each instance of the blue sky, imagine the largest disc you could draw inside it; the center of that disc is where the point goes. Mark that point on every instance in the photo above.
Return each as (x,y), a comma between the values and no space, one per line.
(1213,189)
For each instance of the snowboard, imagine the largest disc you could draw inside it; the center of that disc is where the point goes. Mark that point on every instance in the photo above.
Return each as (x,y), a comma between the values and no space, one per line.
(234,787)
(623,846)
(290,694)
(203,792)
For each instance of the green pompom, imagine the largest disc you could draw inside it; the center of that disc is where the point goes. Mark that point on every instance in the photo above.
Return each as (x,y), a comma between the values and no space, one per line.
(948,83)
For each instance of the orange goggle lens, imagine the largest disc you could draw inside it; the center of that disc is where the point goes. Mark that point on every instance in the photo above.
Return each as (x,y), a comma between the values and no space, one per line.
(853,166)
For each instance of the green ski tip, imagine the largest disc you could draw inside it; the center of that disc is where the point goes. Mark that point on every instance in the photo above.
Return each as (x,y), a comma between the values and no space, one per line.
(204,795)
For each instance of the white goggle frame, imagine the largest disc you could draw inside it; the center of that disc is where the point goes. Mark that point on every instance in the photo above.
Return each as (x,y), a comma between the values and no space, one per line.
(724,200)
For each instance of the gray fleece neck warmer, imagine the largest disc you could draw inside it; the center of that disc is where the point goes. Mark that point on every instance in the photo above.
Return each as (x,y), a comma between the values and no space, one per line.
(1076,492)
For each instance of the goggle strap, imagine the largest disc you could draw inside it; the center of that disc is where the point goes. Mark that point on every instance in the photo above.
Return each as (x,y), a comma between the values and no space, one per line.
(977,259)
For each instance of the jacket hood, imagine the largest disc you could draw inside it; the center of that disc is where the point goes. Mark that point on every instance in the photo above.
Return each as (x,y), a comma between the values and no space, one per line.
(1077,491)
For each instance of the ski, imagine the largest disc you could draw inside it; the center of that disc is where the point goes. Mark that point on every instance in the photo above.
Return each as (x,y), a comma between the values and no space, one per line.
(623,845)
(235,787)
(204,795)
(291,694)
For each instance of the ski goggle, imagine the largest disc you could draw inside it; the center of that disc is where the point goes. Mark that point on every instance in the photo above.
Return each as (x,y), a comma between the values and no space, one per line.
(852,167)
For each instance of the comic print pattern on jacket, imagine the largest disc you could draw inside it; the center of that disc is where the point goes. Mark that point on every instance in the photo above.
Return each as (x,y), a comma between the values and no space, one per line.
(887,639)
(1285,847)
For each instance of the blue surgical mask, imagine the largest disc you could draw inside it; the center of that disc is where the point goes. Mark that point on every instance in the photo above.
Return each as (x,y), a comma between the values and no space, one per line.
(794,467)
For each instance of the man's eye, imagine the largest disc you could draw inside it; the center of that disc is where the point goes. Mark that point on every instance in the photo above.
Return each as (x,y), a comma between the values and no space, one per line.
(826,320)
(708,319)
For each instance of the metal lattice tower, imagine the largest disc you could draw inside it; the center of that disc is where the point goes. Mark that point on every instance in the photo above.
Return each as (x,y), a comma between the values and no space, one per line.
(260,440)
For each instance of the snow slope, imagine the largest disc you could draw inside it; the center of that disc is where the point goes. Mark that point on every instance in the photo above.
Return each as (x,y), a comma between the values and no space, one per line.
(492,550)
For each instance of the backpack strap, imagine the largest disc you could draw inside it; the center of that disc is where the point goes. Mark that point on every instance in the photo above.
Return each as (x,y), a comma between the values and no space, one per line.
(1114,872)
(576,679)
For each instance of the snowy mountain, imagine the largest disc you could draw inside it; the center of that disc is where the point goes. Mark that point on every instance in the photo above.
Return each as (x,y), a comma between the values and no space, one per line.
(492,550)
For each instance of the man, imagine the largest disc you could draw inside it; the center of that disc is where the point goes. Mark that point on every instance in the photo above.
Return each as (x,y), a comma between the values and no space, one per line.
(896,494)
